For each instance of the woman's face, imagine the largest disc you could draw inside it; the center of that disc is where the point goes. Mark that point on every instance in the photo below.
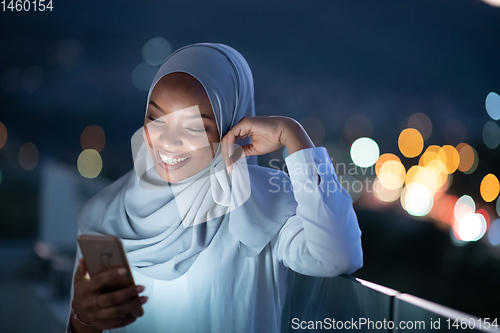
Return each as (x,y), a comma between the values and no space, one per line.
(180,127)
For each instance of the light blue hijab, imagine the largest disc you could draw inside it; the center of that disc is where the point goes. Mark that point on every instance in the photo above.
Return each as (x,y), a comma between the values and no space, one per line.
(164,226)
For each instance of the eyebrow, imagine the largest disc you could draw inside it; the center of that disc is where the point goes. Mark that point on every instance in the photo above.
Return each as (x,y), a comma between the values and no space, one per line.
(201,115)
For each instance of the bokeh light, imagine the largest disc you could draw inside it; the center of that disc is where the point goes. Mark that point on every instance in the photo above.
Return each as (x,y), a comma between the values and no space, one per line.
(358,126)
(452,158)
(384,194)
(155,51)
(491,135)
(471,227)
(490,187)
(492,104)
(417,199)
(435,157)
(392,175)
(464,205)
(494,233)
(484,212)
(383,158)
(93,137)
(410,142)
(468,158)
(422,123)
(430,177)
(89,163)
(364,152)
(3,135)
(412,172)
(498,206)
(143,75)
(28,156)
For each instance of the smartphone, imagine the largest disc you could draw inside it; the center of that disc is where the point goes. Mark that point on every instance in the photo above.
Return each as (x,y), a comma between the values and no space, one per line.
(104,253)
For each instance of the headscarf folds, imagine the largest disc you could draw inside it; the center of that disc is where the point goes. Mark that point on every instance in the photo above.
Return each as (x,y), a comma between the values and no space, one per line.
(164,226)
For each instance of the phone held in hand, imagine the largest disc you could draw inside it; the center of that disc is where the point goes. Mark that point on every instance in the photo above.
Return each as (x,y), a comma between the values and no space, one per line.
(104,253)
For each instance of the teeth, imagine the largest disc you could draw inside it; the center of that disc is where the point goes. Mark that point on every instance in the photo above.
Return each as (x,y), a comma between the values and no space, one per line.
(172,161)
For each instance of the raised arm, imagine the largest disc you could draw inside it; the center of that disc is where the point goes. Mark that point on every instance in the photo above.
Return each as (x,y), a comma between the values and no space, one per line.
(323,237)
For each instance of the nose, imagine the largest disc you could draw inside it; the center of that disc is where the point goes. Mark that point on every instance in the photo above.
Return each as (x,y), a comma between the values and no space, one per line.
(170,138)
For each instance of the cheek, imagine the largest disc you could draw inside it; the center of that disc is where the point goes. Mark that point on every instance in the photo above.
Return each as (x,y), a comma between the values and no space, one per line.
(200,141)
(203,155)
(153,132)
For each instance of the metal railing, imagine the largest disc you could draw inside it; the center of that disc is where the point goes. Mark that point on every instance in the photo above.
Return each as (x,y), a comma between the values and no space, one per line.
(349,304)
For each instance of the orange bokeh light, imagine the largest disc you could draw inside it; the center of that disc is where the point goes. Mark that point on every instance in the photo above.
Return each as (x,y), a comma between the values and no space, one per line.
(384,158)
(410,142)
(466,156)
(490,187)
(452,158)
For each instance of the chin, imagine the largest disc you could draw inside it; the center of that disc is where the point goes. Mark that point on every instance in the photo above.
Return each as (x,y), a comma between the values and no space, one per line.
(169,177)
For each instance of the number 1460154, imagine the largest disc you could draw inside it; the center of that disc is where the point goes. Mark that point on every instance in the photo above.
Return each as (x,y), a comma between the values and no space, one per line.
(26,5)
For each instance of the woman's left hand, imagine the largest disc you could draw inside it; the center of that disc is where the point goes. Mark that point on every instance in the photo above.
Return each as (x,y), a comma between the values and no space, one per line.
(267,134)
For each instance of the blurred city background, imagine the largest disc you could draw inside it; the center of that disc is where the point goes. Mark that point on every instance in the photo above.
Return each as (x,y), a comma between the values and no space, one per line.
(403,94)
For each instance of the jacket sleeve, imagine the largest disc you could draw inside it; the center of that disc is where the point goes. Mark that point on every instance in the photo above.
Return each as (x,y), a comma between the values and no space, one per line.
(323,238)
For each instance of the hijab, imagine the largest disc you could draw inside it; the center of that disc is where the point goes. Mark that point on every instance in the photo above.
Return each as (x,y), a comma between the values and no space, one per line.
(164,226)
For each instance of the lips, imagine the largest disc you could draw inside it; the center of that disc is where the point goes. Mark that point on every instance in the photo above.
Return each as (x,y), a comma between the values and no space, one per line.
(171,162)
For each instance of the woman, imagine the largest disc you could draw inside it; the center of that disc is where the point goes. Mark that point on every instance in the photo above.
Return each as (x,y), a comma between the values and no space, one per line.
(208,233)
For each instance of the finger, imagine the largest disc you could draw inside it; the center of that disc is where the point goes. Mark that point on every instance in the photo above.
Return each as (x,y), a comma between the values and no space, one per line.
(124,309)
(108,278)
(247,150)
(120,296)
(240,131)
(80,271)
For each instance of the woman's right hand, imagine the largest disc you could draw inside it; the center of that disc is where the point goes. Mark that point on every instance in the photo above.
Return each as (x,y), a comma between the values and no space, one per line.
(113,309)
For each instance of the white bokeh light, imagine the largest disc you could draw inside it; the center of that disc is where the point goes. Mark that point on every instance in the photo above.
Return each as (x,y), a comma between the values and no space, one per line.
(417,199)
(471,227)
(364,152)
(464,205)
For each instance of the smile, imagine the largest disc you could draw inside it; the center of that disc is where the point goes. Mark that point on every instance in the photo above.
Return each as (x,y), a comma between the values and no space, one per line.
(170,163)
(170,160)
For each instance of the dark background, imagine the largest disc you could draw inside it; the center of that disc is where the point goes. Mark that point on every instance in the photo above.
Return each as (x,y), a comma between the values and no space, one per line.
(324,59)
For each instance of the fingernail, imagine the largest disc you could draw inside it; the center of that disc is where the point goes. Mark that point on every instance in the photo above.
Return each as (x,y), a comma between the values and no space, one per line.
(143,299)
(122,271)
(139,289)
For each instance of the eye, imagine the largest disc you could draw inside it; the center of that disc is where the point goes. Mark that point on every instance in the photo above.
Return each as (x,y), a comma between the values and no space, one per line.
(195,130)
(155,121)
